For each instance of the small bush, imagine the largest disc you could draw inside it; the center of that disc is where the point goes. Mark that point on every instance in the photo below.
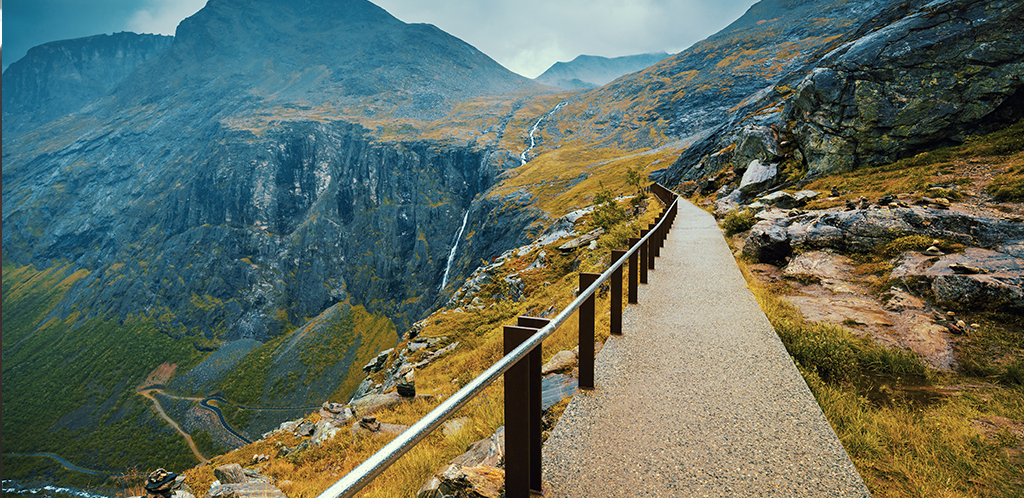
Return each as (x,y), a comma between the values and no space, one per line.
(607,212)
(738,221)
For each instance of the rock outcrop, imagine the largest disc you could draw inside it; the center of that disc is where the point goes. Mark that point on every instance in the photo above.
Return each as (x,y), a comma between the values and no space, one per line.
(945,71)
(235,482)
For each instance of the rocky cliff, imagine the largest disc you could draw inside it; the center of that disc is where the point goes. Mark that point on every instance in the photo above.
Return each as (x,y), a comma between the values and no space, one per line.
(58,78)
(893,79)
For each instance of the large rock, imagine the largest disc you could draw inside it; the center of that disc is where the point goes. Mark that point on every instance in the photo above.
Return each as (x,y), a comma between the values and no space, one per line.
(758,177)
(943,72)
(482,459)
(1002,287)
(767,242)
(245,490)
(865,229)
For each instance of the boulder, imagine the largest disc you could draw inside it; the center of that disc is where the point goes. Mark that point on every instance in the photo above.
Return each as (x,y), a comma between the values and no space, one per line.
(562,360)
(465,482)
(729,203)
(780,199)
(758,177)
(245,490)
(377,364)
(767,242)
(407,385)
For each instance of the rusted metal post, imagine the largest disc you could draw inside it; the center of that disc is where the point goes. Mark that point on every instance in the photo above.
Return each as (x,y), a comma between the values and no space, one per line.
(586,356)
(517,417)
(633,270)
(644,246)
(536,361)
(615,328)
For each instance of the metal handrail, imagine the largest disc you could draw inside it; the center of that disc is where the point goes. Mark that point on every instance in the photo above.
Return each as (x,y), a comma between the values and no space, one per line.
(356,479)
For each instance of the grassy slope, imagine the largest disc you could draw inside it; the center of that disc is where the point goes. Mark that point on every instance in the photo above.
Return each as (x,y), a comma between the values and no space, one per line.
(480,337)
(53,390)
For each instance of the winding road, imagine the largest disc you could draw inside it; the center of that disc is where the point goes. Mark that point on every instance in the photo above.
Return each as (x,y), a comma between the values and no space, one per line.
(148,393)
(64,463)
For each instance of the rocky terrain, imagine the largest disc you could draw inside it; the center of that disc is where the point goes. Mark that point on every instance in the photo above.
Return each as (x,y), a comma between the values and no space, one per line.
(592,71)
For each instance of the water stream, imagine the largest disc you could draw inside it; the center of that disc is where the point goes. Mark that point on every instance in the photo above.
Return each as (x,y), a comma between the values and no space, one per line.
(533,142)
(451,255)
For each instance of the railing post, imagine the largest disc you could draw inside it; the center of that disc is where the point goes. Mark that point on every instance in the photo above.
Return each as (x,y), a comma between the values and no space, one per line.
(633,270)
(536,424)
(656,239)
(652,246)
(644,247)
(518,457)
(586,317)
(616,297)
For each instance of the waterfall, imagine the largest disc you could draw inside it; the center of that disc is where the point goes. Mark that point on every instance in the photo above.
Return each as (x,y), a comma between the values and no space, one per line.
(451,255)
(533,142)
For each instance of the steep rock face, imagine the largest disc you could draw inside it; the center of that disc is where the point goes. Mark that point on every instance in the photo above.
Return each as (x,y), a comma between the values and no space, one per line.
(591,71)
(938,75)
(902,77)
(59,78)
(307,215)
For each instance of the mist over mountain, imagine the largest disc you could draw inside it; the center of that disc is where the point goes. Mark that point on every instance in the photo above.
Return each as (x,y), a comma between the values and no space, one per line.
(591,71)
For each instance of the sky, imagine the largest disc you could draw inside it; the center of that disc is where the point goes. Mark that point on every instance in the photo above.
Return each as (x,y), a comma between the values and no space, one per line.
(526,36)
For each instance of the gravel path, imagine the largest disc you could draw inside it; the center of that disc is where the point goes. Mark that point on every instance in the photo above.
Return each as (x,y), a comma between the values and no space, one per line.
(698,397)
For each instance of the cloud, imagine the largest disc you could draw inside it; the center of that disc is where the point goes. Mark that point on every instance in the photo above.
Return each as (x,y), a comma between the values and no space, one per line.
(162,16)
(528,36)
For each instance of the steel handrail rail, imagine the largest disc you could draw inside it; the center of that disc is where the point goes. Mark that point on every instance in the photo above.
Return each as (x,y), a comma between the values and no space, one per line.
(356,479)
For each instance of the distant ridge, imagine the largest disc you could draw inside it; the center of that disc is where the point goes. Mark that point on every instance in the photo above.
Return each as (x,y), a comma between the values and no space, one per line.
(592,71)
(58,78)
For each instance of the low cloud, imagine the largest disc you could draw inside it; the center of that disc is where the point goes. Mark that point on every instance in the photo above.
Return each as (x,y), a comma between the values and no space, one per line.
(162,16)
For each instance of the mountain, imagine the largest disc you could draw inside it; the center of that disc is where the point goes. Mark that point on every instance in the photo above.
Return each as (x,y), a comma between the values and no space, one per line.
(591,71)
(226,191)
(58,78)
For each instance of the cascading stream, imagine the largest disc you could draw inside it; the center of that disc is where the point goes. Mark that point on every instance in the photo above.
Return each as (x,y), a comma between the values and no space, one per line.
(451,255)
(533,142)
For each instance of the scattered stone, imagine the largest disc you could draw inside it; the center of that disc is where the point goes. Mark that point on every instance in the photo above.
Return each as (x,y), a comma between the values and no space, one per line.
(370,425)
(235,482)
(967,270)
(933,251)
(245,490)
(407,385)
(563,360)
(582,239)
(377,364)
(305,429)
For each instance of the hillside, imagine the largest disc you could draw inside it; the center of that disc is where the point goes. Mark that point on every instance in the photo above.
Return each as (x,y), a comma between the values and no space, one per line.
(592,71)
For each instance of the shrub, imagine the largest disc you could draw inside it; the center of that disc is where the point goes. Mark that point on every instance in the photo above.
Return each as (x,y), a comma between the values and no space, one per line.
(738,221)
(607,212)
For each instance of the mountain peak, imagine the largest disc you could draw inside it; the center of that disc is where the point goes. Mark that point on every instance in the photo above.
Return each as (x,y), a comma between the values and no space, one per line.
(589,71)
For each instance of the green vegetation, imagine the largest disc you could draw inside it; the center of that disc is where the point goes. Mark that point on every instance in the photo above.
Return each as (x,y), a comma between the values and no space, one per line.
(607,211)
(737,221)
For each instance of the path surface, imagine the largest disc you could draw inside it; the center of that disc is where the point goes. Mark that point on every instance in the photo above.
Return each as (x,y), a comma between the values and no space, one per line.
(160,411)
(698,397)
